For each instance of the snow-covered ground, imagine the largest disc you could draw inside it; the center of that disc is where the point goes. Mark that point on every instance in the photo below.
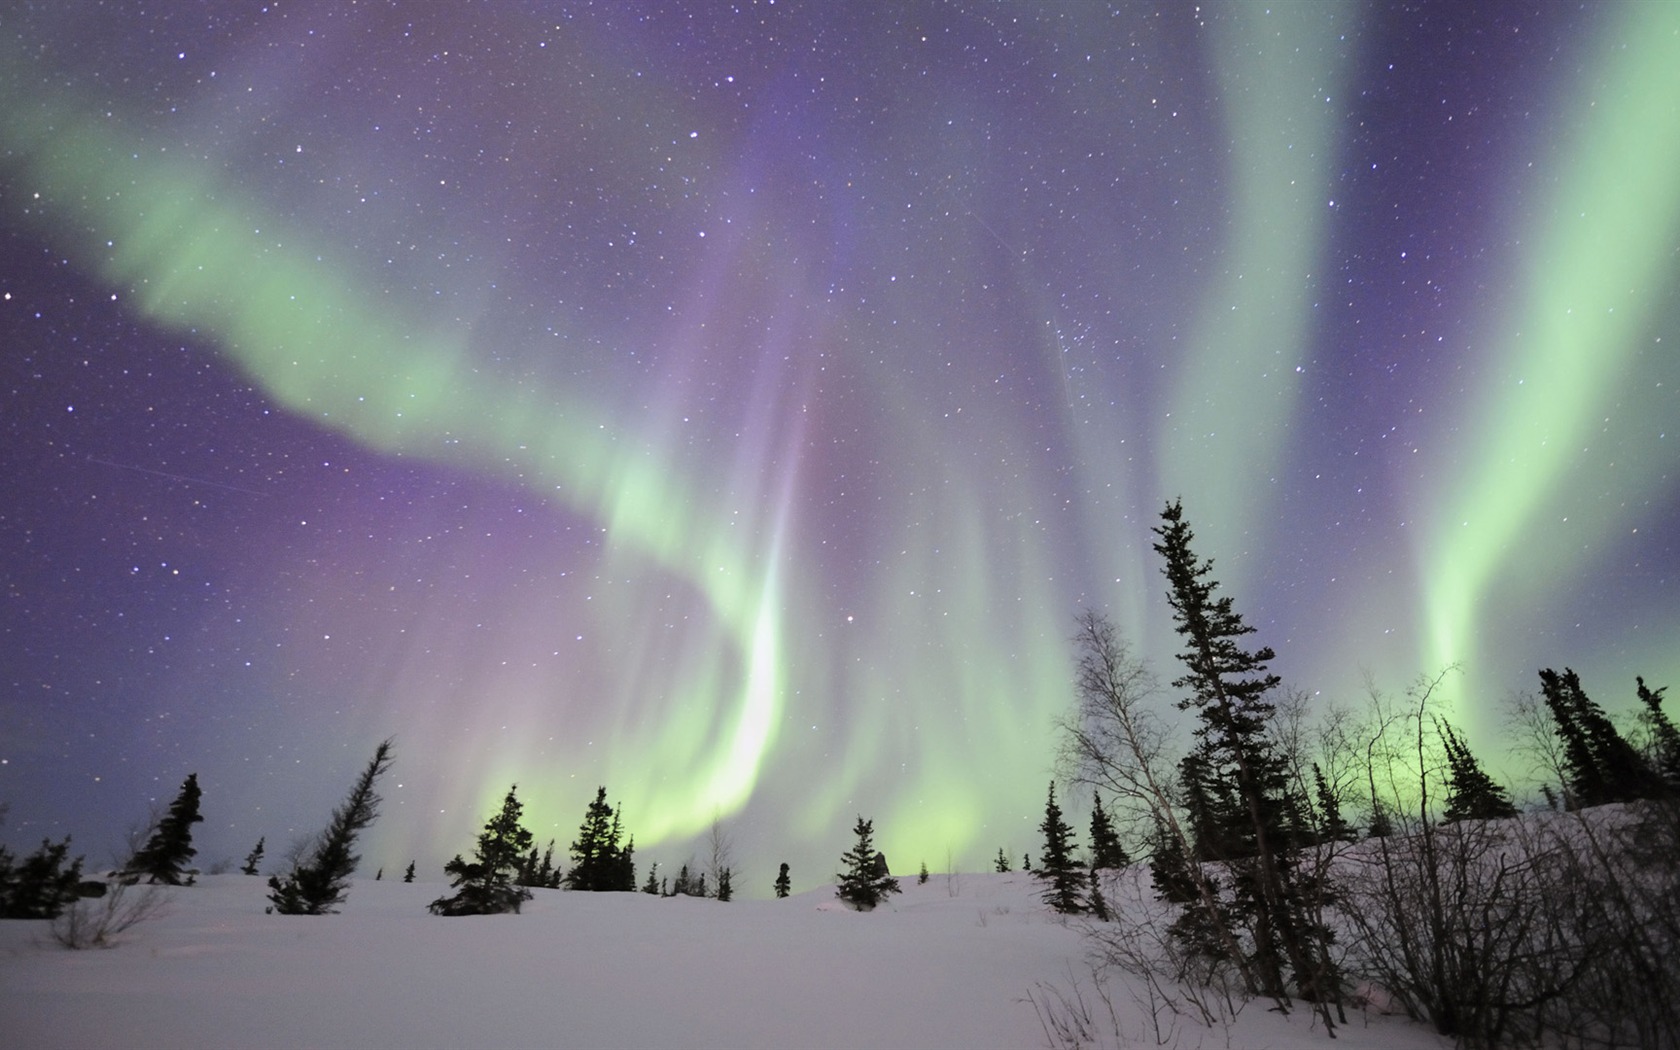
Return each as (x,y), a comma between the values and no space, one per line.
(956,962)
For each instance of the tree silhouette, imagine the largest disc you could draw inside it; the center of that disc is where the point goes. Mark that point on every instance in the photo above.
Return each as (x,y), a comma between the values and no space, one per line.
(486,885)
(164,857)
(1057,867)
(318,885)
(862,885)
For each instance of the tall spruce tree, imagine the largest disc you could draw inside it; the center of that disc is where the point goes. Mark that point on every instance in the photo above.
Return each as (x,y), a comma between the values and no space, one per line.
(1471,793)
(318,884)
(1600,765)
(1243,777)
(253,858)
(862,884)
(784,884)
(165,855)
(1064,876)
(598,863)
(1106,851)
(1001,864)
(487,885)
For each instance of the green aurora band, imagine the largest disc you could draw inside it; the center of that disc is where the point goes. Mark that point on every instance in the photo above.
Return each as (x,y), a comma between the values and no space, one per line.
(967,562)
(1541,420)
(192,251)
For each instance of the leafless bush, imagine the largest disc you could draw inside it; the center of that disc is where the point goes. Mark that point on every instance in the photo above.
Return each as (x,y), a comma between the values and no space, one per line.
(1456,923)
(98,922)
(1617,900)
(1168,984)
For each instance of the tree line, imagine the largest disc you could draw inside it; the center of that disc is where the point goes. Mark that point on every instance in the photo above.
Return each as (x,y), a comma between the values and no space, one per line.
(1499,928)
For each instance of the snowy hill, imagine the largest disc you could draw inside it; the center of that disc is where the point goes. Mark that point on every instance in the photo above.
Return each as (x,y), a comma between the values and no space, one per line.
(951,963)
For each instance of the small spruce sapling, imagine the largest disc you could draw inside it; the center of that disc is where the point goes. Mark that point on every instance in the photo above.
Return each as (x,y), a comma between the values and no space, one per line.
(861,885)
(784,885)
(253,858)
(486,885)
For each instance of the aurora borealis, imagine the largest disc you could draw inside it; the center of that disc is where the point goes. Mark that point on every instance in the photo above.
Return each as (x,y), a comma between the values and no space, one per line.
(734,405)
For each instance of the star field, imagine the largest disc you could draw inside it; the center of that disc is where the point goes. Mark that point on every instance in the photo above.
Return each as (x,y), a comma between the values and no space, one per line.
(735,405)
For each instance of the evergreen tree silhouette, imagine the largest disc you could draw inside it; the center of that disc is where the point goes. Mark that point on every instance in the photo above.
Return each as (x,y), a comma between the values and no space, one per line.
(318,885)
(164,857)
(784,885)
(859,885)
(40,885)
(486,885)
(1106,851)
(598,864)
(1335,828)
(1471,793)
(1002,863)
(1056,864)
(1665,739)
(253,858)
(1600,765)
(1250,821)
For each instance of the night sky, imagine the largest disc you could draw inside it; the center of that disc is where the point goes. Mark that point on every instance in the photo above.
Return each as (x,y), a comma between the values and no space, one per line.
(734,405)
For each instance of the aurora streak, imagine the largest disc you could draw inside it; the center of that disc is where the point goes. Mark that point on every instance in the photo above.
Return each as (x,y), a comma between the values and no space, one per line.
(736,410)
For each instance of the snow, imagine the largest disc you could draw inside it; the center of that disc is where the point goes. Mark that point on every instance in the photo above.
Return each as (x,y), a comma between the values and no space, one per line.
(955,962)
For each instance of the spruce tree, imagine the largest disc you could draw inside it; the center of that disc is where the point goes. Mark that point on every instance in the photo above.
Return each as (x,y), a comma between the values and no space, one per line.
(1471,793)
(1334,828)
(1665,739)
(253,858)
(1169,866)
(318,885)
(725,892)
(1600,765)
(1097,904)
(859,885)
(922,876)
(598,864)
(408,872)
(1106,851)
(1243,777)
(165,855)
(624,871)
(1002,862)
(1057,867)
(40,885)
(539,870)
(784,885)
(652,884)
(486,885)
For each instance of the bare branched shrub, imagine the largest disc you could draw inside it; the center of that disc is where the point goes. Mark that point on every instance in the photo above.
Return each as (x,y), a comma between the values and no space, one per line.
(1532,731)
(1169,984)
(1616,900)
(99,921)
(1454,922)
